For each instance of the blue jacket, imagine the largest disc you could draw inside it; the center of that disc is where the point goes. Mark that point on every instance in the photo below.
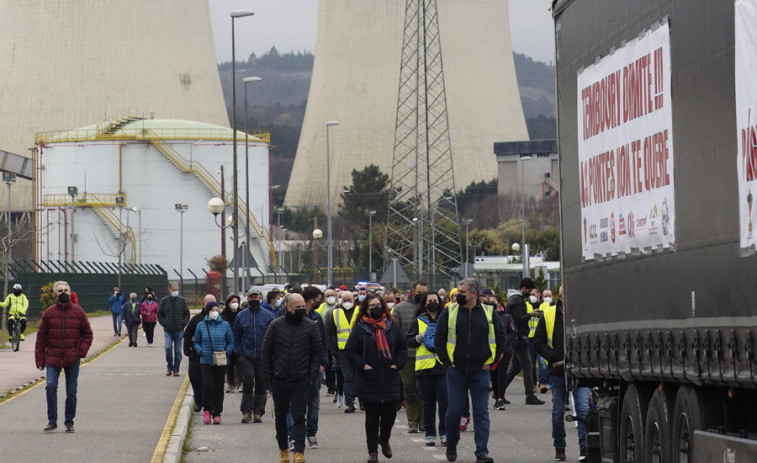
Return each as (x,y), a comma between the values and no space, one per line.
(222,339)
(130,317)
(249,331)
(316,317)
(116,303)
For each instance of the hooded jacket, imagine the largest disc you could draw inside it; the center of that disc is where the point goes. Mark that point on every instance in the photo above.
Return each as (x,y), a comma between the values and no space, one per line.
(213,335)
(249,331)
(64,335)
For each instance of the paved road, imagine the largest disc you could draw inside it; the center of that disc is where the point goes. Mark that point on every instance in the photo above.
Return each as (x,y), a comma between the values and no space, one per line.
(522,433)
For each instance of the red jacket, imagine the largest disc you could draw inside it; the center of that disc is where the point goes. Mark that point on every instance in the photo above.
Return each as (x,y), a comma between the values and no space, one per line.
(149,311)
(64,336)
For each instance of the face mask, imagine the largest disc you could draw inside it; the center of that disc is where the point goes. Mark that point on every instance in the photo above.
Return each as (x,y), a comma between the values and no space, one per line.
(16,292)
(532,299)
(432,307)
(149,298)
(234,305)
(361,297)
(63,298)
(133,299)
(376,312)
(213,315)
(174,294)
(347,305)
(461,299)
(390,305)
(418,298)
(254,304)
(299,314)
(278,303)
(548,300)
(331,300)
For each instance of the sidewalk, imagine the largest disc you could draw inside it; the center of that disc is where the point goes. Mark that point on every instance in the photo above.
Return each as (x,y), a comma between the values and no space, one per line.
(124,399)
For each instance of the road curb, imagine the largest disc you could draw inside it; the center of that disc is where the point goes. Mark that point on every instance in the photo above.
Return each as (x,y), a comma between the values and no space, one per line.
(175,446)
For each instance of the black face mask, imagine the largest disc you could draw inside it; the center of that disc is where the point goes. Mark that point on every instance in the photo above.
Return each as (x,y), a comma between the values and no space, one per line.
(376,312)
(254,304)
(418,298)
(64,298)
(461,299)
(17,292)
(149,298)
(432,307)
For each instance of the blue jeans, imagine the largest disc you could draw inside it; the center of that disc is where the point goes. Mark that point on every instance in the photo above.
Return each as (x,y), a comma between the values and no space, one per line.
(173,359)
(581,402)
(116,322)
(543,371)
(458,384)
(558,410)
(72,376)
(314,407)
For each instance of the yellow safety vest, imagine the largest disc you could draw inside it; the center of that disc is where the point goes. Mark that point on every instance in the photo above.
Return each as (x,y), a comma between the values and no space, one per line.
(549,321)
(343,326)
(452,333)
(424,358)
(321,308)
(532,322)
(18,304)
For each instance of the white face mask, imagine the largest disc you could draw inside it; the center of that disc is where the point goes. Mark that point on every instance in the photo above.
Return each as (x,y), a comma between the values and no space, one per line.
(347,305)
(533,299)
(548,300)
(234,305)
(175,293)
(390,304)
(331,300)
(213,315)
(361,297)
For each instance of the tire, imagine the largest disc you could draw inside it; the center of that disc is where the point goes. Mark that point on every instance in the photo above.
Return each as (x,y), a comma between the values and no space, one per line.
(658,431)
(633,414)
(691,412)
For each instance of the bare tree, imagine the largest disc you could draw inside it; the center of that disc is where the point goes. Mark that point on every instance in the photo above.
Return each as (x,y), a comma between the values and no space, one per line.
(114,251)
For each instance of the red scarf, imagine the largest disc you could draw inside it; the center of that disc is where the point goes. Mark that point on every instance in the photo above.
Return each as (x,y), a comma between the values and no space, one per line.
(379,332)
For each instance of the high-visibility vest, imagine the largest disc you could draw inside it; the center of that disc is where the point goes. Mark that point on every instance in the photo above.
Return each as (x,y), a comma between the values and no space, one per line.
(532,322)
(424,358)
(452,333)
(549,320)
(18,304)
(343,326)
(321,308)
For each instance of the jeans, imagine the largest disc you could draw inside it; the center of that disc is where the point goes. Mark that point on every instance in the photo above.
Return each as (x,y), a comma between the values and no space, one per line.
(433,391)
(195,378)
(212,388)
(410,392)
(521,360)
(349,379)
(149,328)
(581,402)
(313,409)
(173,359)
(290,397)
(72,376)
(116,322)
(379,419)
(558,410)
(543,371)
(458,384)
(253,392)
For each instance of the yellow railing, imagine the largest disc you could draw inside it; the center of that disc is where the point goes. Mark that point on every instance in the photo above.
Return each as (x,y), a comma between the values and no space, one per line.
(127,233)
(135,132)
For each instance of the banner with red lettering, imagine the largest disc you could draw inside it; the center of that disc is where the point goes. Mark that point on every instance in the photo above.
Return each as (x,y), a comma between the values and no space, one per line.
(746,119)
(625,149)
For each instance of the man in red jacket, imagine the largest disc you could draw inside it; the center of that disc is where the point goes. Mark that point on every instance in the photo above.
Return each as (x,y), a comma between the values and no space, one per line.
(63,338)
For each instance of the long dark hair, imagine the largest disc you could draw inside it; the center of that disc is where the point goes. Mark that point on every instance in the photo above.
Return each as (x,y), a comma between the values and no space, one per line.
(422,306)
(363,310)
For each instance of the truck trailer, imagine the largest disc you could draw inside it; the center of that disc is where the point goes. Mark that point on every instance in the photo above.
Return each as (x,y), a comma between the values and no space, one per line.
(658,158)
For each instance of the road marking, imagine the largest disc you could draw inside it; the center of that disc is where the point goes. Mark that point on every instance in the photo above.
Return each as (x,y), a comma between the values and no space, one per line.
(440,457)
(418,440)
(160,449)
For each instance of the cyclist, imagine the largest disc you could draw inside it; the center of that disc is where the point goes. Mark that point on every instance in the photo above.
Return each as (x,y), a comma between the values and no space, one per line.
(18,306)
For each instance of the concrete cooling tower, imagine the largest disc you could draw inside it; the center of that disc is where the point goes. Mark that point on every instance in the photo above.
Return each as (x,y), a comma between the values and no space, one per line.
(356,78)
(67,63)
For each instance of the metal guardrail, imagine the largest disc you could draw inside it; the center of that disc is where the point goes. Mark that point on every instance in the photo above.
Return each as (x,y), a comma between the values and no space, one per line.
(85,200)
(134,132)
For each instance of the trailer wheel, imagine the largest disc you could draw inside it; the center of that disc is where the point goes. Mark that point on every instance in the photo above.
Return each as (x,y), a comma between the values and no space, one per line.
(690,412)
(657,432)
(632,419)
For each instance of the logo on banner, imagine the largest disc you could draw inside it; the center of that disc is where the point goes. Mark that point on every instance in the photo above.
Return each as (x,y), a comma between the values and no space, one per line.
(631,226)
(653,215)
(612,226)
(621,225)
(749,203)
(665,217)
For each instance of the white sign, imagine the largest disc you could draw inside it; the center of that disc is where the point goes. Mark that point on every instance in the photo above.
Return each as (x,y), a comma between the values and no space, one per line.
(746,120)
(625,149)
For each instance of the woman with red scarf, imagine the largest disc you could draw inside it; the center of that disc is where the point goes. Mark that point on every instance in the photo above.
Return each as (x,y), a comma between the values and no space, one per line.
(378,350)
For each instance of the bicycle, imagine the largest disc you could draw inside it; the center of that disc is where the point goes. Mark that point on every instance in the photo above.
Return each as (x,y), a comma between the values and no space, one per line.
(16,333)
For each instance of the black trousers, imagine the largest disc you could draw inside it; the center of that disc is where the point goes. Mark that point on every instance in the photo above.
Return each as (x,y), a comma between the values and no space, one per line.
(233,375)
(379,419)
(195,378)
(290,397)
(521,360)
(254,390)
(501,375)
(330,376)
(212,388)
(133,331)
(149,328)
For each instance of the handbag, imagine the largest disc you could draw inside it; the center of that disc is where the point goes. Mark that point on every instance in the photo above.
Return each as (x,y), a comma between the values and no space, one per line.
(219,356)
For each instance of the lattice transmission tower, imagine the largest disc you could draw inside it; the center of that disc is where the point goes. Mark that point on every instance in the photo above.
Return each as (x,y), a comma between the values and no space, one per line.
(423,229)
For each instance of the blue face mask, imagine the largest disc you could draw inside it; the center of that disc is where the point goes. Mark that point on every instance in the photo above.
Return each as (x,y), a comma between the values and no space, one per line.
(361,297)
(278,303)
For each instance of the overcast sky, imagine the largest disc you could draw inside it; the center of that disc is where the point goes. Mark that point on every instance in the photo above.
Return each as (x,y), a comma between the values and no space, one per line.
(290,25)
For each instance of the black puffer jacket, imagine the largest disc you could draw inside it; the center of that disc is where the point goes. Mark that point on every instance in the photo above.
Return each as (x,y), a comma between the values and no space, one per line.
(381,383)
(292,351)
(173,313)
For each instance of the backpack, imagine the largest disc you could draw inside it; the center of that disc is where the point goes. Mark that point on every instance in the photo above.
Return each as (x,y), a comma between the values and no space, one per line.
(428,336)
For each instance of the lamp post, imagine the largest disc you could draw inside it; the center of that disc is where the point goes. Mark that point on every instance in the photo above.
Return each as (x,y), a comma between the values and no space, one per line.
(282,231)
(279,211)
(370,244)
(181,209)
(73,192)
(9,178)
(523,214)
(217,206)
(139,236)
(234,15)
(467,223)
(246,81)
(330,262)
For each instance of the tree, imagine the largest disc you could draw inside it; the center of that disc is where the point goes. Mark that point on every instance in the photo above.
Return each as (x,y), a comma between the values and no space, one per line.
(369,192)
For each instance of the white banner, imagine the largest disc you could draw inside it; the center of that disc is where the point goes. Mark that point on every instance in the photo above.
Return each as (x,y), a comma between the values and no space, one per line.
(625,149)
(746,119)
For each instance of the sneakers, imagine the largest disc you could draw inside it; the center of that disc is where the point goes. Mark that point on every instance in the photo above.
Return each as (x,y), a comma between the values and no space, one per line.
(340,400)
(386,449)
(299,457)
(168,372)
(372,457)
(430,441)
(206,417)
(505,401)
(246,417)
(69,426)
(484,458)
(231,388)
(412,428)
(443,441)
(257,418)
(291,444)
(560,455)
(500,405)
(533,400)
(284,456)
(464,421)
(217,419)
(312,443)
(349,409)
(451,453)
(584,455)
(197,407)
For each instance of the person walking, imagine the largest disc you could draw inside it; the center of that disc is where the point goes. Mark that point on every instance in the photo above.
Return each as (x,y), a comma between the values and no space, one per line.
(339,323)
(214,343)
(173,316)
(249,330)
(291,357)
(116,302)
(64,337)
(149,313)
(19,304)
(378,350)
(130,317)
(469,339)
(229,313)
(429,369)
(324,310)
(194,369)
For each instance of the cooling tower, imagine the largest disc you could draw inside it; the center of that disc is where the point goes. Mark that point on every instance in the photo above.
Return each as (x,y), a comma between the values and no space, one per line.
(356,81)
(64,64)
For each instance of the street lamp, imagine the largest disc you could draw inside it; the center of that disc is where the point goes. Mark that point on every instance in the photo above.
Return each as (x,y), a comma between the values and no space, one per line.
(523,213)
(73,192)
(370,244)
(217,206)
(181,209)
(10,179)
(282,231)
(317,235)
(330,262)
(467,223)
(234,15)
(139,236)
(246,81)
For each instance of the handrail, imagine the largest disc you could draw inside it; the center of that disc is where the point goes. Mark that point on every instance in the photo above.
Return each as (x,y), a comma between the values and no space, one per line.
(84,200)
(113,220)
(135,133)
